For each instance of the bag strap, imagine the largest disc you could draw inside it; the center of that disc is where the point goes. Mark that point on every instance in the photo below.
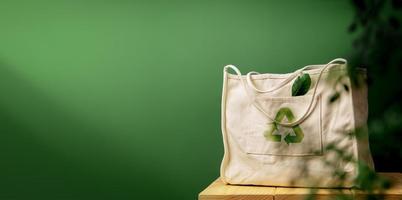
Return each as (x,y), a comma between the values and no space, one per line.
(293,75)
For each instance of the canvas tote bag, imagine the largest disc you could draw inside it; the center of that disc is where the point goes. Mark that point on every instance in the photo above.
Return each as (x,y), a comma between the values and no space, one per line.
(273,138)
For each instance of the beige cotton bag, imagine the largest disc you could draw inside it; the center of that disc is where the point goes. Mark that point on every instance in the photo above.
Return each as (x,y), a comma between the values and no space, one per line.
(273,138)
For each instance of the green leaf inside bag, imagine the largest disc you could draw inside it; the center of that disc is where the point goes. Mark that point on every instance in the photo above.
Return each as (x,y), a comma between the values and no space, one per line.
(301,85)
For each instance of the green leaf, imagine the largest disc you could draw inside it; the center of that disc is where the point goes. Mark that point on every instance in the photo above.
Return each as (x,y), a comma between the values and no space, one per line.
(301,85)
(334,97)
(346,87)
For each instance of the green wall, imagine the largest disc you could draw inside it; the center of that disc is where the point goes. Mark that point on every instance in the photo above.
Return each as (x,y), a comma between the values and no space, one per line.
(121,99)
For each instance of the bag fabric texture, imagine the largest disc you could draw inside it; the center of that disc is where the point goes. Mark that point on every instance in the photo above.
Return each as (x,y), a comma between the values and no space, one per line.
(275,139)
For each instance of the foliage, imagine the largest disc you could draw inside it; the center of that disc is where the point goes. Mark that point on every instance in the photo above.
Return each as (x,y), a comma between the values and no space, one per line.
(378,48)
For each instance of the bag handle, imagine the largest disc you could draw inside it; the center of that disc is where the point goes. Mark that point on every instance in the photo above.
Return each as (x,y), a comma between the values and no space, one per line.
(283,83)
(250,83)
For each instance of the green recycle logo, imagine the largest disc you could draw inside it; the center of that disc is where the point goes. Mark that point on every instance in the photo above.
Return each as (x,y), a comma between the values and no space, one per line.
(296,136)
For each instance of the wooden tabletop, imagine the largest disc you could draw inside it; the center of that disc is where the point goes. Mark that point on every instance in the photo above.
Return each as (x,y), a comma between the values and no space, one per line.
(220,191)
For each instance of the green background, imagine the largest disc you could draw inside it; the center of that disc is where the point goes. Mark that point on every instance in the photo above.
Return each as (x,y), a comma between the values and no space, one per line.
(121,99)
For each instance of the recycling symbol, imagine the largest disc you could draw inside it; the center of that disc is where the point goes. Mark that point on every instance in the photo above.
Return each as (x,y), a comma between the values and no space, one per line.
(291,135)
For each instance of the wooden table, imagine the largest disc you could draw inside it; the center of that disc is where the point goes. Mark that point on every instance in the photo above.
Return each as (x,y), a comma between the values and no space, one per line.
(220,191)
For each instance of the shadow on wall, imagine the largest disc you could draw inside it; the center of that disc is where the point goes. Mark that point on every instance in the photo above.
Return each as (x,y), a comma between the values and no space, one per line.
(44,154)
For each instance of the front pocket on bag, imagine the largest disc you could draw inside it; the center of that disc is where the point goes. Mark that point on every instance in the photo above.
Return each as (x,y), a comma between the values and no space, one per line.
(300,140)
